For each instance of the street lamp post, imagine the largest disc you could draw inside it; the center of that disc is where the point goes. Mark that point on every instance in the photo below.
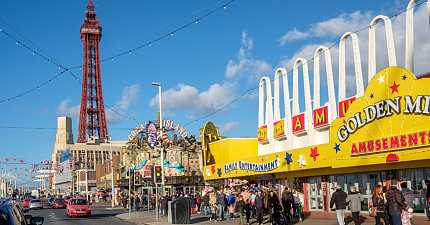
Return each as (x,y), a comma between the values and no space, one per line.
(112,173)
(161,135)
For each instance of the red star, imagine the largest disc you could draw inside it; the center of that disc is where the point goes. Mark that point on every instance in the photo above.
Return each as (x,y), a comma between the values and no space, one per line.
(394,88)
(314,153)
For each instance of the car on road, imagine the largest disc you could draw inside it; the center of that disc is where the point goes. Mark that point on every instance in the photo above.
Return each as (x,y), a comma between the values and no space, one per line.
(12,214)
(59,203)
(36,204)
(78,207)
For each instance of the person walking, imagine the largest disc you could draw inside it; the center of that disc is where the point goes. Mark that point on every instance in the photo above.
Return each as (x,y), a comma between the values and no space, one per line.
(212,203)
(259,207)
(287,203)
(248,209)
(354,200)
(427,198)
(275,207)
(240,209)
(409,196)
(395,203)
(205,204)
(221,204)
(338,199)
(378,206)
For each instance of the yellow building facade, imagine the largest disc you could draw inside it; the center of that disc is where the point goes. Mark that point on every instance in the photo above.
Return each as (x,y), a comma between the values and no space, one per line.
(383,137)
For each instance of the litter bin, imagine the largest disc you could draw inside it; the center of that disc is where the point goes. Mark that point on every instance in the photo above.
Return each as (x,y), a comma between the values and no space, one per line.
(179,211)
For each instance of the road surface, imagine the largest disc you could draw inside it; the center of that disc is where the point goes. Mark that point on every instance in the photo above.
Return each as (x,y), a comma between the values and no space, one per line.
(100,215)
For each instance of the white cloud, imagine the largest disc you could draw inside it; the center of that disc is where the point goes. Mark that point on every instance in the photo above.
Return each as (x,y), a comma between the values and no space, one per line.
(229,126)
(292,35)
(114,114)
(129,96)
(245,63)
(65,109)
(333,27)
(187,97)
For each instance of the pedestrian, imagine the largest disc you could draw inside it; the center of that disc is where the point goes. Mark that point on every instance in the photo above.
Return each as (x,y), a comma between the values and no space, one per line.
(252,202)
(287,203)
(297,206)
(231,200)
(378,206)
(409,196)
(205,204)
(212,202)
(248,209)
(275,207)
(221,204)
(240,209)
(259,207)
(198,202)
(354,200)
(338,199)
(427,198)
(137,200)
(396,203)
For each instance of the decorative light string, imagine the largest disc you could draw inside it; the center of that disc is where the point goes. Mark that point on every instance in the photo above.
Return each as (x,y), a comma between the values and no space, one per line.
(311,59)
(64,68)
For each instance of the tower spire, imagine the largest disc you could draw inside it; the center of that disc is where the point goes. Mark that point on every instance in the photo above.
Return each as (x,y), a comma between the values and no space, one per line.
(92,118)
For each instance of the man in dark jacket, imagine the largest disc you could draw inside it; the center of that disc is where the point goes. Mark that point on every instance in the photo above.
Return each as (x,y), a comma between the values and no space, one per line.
(259,205)
(221,203)
(395,202)
(287,203)
(339,199)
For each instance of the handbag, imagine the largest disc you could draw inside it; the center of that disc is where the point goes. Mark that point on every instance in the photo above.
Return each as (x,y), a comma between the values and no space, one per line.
(372,212)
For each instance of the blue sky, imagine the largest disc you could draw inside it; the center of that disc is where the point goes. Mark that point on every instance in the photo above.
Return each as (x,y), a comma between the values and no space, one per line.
(201,68)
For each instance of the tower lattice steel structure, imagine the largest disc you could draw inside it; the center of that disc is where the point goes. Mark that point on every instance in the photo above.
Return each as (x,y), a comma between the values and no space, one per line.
(92,119)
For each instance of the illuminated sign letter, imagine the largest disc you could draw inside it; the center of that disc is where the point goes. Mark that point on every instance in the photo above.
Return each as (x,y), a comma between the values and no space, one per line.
(344,106)
(298,123)
(321,117)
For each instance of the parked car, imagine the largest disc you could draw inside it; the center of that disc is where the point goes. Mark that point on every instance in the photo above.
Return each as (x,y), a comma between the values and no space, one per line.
(11,214)
(78,207)
(36,204)
(67,199)
(51,201)
(59,203)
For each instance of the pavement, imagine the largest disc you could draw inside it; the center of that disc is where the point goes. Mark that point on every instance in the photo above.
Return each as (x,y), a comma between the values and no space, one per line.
(100,216)
(315,218)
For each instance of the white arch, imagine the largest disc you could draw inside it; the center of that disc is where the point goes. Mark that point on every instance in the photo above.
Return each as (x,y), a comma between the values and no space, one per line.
(265,116)
(409,39)
(357,66)
(307,90)
(372,45)
(281,73)
(330,83)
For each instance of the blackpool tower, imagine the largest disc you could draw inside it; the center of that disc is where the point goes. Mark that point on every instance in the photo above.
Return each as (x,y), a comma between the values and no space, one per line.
(92,117)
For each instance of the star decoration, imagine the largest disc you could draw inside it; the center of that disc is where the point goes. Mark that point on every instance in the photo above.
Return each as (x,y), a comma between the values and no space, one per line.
(381,79)
(288,158)
(219,172)
(212,169)
(394,88)
(337,147)
(371,95)
(314,153)
(301,161)
(404,77)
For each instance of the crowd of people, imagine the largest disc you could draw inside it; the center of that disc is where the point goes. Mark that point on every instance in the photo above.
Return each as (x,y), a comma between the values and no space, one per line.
(251,202)
(388,206)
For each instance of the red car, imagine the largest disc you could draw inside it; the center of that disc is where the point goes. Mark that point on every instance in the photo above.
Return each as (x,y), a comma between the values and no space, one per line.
(26,203)
(78,207)
(59,204)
